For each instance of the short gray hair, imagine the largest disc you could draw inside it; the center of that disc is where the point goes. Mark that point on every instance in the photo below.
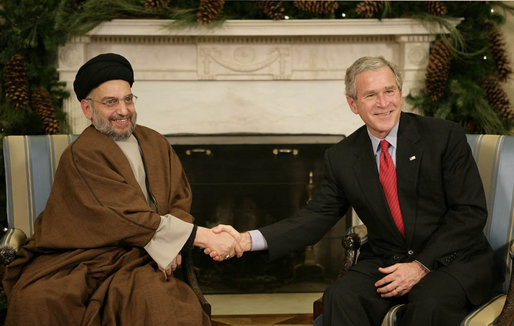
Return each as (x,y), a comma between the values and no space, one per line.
(368,63)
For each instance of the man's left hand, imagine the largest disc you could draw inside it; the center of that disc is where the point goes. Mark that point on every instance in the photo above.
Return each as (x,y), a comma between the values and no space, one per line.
(400,279)
(176,263)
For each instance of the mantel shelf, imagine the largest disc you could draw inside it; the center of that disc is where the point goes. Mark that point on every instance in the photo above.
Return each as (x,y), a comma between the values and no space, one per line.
(293,27)
(254,139)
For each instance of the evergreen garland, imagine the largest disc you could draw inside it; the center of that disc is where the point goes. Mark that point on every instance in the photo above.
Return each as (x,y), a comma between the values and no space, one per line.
(472,61)
(28,51)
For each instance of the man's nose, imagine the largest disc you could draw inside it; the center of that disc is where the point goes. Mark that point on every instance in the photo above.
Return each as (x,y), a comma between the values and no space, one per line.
(381,100)
(122,108)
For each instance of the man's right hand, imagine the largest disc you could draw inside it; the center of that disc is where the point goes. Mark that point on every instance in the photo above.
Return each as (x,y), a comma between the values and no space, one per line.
(244,239)
(220,246)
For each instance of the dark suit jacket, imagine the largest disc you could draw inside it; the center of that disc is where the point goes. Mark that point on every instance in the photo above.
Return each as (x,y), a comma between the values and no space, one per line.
(441,197)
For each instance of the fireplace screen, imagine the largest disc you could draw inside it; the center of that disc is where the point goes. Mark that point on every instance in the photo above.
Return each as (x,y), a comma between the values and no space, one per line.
(249,186)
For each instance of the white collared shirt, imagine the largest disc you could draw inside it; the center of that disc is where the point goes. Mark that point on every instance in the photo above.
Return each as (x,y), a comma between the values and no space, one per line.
(391,138)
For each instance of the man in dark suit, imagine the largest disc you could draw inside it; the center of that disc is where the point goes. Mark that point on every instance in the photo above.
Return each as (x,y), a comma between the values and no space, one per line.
(421,197)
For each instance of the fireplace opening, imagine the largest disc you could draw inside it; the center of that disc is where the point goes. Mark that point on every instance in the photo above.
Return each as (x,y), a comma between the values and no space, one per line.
(250,184)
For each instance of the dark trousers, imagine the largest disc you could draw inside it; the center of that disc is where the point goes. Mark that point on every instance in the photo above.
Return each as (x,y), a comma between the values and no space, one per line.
(438,300)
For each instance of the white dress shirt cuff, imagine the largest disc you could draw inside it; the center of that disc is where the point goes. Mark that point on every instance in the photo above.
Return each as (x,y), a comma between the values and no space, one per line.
(258,240)
(168,240)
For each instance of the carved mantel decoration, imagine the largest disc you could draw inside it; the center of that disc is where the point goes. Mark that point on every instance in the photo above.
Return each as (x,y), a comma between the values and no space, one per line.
(248,76)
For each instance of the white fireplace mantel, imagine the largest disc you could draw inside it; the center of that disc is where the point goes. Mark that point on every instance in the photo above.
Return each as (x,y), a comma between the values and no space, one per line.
(311,27)
(248,76)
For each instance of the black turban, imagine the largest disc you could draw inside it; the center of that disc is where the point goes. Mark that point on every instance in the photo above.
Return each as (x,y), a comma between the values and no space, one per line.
(103,67)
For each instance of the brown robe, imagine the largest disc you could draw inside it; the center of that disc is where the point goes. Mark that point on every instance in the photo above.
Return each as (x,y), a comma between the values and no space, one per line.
(86,263)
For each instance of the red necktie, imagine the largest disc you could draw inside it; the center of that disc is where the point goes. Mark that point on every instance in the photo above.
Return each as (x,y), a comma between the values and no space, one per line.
(388,181)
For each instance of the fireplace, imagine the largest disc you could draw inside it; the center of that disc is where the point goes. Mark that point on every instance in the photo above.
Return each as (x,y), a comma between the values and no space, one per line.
(250,181)
(279,81)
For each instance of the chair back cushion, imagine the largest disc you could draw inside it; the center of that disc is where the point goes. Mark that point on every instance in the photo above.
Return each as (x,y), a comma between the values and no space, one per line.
(494,155)
(30,163)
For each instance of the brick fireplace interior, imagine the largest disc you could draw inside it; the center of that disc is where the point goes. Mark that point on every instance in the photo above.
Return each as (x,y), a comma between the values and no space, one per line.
(250,186)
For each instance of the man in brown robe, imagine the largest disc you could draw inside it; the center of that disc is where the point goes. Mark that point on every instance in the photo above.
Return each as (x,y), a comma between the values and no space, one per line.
(105,246)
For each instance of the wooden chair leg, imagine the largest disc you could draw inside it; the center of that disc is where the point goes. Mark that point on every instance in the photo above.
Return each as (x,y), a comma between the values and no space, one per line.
(190,277)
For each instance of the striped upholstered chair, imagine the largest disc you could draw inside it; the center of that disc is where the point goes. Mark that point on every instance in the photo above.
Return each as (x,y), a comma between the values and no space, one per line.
(30,164)
(495,159)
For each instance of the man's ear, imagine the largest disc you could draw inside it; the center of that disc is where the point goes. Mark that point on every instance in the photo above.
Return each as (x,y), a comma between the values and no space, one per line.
(86,109)
(351,103)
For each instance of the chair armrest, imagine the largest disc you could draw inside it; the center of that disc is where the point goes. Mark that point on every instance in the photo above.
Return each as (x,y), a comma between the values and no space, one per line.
(11,242)
(506,317)
(351,244)
(190,277)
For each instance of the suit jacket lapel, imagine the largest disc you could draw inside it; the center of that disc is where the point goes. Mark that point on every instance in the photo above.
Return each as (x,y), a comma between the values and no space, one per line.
(408,159)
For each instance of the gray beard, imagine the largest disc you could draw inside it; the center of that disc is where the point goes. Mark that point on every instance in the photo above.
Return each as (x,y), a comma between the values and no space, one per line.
(105,128)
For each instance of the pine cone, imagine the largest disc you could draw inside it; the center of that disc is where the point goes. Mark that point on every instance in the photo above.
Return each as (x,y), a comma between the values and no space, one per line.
(42,104)
(497,46)
(437,70)
(78,4)
(16,82)
(156,4)
(497,98)
(436,8)
(208,10)
(471,127)
(153,4)
(369,9)
(272,8)
(322,7)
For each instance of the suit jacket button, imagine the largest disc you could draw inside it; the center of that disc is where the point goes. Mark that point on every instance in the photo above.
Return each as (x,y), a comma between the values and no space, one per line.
(410,252)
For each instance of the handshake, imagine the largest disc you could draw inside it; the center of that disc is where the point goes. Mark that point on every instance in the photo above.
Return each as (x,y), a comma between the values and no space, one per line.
(222,242)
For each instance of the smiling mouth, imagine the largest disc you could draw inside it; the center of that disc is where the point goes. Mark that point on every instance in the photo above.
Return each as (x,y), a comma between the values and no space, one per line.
(384,113)
(120,122)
